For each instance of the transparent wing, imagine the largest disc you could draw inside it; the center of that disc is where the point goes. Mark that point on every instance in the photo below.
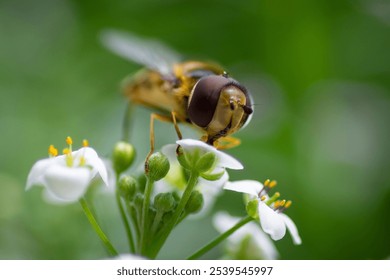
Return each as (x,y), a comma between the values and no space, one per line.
(150,53)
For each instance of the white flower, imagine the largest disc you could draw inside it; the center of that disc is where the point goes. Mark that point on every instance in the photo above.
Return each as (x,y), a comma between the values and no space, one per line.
(223,160)
(175,181)
(67,177)
(273,221)
(190,146)
(260,245)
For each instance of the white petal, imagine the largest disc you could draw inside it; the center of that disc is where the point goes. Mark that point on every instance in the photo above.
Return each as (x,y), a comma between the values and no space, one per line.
(170,152)
(271,222)
(245,186)
(92,159)
(35,177)
(224,160)
(228,161)
(268,249)
(292,229)
(190,144)
(49,197)
(111,175)
(65,183)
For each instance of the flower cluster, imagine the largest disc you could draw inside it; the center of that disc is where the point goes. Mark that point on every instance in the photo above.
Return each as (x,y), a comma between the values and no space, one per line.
(182,180)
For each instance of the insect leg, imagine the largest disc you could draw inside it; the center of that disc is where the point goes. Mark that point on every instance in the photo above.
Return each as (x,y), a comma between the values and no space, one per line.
(178,132)
(227,142)
(163,118)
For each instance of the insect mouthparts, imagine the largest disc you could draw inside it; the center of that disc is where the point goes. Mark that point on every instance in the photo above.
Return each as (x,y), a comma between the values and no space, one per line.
(248,110)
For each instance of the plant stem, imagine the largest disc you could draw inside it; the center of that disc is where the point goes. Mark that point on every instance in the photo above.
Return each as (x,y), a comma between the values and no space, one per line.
(176,215)
(220,238)
(110,248)
(125,222)
(132,212)
(156,221)
(145,213)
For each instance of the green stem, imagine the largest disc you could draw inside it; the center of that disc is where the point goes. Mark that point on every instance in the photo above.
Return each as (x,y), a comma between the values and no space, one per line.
(176,215)
(97,228)
(219,239)
(125,222)
(132,211)
(156,221)
(145,213)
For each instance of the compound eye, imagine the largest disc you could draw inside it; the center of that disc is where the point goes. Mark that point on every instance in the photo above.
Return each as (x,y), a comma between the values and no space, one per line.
(204,99)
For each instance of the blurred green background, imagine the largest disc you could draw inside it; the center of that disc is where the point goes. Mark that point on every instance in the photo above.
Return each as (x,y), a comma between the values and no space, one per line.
(319,73)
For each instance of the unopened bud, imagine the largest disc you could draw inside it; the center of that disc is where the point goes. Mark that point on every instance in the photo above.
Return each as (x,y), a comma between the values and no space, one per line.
(195,202)
(164,202)
(127,187)
(157,166)
(123,156)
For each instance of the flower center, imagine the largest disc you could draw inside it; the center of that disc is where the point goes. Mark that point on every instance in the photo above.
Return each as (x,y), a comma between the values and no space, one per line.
(69,159)
(277,205)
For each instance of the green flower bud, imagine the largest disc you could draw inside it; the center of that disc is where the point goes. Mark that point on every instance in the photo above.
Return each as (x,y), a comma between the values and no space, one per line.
(251,208)
(141,179)
(157,166)
(127,187)
(195,202)
(164,202)
(206,162)
(123,156)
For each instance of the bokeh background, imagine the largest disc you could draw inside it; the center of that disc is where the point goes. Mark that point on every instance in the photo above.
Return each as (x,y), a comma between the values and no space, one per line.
(319,73)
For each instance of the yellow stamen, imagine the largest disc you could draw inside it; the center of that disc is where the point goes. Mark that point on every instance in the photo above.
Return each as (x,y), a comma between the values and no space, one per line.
(68,157)
(85,143)
(277,204)
(272,184)
(282,203)
(263,198)
(53,152)
(288,204)
(82,161)
(266,182)
(69,140)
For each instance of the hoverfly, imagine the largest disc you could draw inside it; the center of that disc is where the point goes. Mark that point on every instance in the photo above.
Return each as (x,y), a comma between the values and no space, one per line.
(197,93)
